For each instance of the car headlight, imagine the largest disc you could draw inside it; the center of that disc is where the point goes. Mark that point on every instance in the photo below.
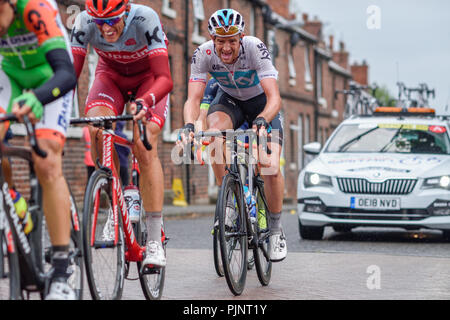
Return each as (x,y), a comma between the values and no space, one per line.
(315,180)
(442,182)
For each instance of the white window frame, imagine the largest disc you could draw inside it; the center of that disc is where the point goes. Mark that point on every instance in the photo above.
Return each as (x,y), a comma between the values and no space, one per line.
(252,20)
(292,71)
(92,65)
(75,106)
(167,10)
(300,142)
(308,79)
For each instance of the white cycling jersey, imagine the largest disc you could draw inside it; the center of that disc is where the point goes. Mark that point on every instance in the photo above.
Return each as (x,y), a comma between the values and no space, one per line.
(241,80)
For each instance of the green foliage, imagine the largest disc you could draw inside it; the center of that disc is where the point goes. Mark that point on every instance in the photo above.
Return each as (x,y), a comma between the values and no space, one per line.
(383,96)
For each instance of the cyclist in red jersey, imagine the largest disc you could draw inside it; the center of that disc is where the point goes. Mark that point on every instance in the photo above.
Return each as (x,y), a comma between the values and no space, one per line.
(133,57)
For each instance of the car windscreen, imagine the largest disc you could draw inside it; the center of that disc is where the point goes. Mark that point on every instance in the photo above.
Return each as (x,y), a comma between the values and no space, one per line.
(391,138)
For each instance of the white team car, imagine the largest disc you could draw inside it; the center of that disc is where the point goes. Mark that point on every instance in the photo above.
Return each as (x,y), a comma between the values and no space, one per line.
(384,170)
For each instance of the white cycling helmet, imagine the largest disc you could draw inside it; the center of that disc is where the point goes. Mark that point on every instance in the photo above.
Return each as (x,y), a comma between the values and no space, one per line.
(226,23)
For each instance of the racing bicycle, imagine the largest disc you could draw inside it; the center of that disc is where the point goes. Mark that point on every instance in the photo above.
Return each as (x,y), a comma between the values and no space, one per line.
(25,259)
(108,256)
(237,231)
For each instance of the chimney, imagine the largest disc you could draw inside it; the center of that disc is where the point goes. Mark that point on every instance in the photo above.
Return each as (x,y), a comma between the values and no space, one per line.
(280,6)
(341,56)
(331,43)
(305,17)
(360,73)
(313,27)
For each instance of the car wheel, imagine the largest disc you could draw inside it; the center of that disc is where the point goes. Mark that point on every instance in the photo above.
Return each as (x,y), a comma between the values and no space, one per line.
(446,235)
(310,233)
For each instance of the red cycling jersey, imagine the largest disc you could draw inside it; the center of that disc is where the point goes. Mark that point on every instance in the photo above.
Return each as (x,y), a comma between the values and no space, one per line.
(138,62)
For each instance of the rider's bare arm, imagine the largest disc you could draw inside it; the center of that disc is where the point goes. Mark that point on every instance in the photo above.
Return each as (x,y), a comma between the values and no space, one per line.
(273,104)
(192,104)
(163,83)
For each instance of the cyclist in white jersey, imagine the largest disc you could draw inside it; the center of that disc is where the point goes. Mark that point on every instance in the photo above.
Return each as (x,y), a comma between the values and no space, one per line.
(248,91)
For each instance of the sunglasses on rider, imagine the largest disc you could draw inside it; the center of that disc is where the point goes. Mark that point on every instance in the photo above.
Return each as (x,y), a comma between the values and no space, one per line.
(231,31)
(110,22)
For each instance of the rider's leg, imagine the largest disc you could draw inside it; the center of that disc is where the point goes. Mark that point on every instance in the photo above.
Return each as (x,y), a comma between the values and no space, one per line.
(97,136)
(218,121)
(104,99)
(55,192)
(273,185)
(151,185)
(55,202)
(151,179)
(6,165)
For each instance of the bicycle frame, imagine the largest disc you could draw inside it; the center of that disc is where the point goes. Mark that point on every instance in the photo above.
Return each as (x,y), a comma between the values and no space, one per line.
(134,251)
(233,168)
(33,278)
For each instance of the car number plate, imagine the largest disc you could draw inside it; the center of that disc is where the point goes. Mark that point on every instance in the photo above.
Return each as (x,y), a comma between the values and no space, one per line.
(375,203)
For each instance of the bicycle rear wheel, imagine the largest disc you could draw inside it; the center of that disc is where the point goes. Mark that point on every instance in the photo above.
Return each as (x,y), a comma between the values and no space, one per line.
(105,261)
(232,234)
(9,268)
(152,282)
(261,251)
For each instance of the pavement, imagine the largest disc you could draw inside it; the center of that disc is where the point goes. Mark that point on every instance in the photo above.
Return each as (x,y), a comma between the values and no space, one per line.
(201,210)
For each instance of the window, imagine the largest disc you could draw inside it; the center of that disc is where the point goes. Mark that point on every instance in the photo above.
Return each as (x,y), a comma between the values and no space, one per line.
(75,106)
(199,16)
(92,64)
(300,142)
(167,9)
(308,80)
(272,45)
(292,72)
(252,20)
(319,79)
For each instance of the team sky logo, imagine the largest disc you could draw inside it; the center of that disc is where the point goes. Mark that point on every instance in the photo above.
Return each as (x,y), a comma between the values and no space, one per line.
(265,54)
(240,79)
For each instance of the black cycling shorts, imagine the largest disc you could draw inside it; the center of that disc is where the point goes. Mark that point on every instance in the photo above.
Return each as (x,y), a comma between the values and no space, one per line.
(241,111)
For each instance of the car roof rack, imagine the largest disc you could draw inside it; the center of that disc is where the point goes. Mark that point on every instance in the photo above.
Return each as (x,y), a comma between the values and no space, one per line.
(407,105)
(358,100)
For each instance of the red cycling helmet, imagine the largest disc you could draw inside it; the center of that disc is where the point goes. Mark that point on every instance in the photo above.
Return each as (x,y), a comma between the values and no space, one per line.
(105,8)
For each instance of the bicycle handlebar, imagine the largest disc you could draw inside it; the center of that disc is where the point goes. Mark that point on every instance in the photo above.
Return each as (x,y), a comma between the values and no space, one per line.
(203,134)
(142,131)
(30,130)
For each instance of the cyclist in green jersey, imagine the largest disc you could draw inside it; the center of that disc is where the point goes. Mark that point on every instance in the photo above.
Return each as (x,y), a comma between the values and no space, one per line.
(37,79)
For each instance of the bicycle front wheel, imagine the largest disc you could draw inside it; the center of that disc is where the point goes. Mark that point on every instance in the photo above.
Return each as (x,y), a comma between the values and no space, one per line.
(261,250)
(216,248)
(232,234)
(9,268)
(152,282)
(104,259)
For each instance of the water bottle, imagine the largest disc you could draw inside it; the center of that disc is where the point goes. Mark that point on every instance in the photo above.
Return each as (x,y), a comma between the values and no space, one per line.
(20,204)
(133,201)
(251,203)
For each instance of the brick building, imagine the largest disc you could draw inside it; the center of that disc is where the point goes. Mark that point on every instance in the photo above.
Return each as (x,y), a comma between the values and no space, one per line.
(310,70)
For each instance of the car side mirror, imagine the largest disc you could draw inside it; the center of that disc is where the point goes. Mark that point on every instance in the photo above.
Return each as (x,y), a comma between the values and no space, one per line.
(312,148)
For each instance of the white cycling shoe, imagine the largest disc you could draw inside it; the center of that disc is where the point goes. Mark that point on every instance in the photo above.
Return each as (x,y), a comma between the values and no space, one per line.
(277,247)
(60,290)
(154,255)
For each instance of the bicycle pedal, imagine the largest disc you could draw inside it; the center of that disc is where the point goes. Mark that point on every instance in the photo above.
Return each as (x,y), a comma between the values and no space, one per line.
(150,269)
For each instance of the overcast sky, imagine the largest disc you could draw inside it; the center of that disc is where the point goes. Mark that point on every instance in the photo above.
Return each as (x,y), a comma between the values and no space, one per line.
(408,41)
